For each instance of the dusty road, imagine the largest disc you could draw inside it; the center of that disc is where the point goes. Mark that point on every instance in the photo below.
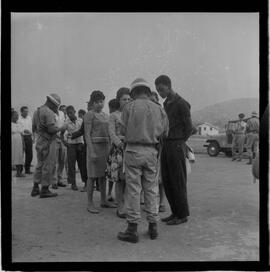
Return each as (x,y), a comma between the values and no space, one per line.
(223,226)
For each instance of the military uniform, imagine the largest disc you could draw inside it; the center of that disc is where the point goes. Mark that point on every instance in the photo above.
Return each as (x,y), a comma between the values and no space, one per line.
(45,146)
(238,139)
(252,130)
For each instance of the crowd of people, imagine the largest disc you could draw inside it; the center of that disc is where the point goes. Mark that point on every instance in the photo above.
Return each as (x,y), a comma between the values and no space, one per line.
(139,150)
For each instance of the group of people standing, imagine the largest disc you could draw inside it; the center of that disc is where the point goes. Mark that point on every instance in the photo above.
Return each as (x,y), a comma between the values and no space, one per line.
(246,131)
(140,147)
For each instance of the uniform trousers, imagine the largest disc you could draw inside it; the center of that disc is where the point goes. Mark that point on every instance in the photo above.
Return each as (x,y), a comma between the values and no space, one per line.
(46,160)
(252,143)
(140,172)
(174,176)
(238,143)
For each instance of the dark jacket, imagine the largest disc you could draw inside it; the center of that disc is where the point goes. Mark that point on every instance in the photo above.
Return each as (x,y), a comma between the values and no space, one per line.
(178,112)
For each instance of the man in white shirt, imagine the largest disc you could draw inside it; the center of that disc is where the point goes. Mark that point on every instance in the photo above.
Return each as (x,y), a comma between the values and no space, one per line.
(26,122)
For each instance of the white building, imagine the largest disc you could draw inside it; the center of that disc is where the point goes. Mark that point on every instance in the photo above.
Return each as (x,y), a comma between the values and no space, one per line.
(207,129)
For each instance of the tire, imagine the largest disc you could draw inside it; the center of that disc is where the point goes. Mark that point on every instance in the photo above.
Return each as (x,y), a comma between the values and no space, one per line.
(213,149)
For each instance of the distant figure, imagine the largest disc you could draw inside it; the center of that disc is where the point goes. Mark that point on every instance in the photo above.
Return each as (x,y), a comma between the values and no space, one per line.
(252,130)
(173,155)
(26,122)
(17,144)
(144,124)
(45,125)
(239,138)
(81,113)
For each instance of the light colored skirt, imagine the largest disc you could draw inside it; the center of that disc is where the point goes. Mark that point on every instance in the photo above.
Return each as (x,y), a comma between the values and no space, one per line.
(17,149)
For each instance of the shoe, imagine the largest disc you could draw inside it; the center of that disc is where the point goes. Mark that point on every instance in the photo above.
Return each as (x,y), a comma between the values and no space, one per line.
(120,215)
(54,186)
(239,159)
(74,187)
(45,192)
(162,208)
(110,198)
(61,184)
(152,230)
(28,172)
(233,159)
(108,205)
(249,160)
(35,190)
(177,221)
(130,235)
(83,189)
(166,219)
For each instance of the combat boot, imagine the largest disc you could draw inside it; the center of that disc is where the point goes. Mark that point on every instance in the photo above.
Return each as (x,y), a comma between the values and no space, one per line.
(130,235)
(152,230)
(45,192)
(35,190)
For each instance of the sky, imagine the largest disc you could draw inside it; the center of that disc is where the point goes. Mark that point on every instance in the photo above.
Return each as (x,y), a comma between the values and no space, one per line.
(210,57)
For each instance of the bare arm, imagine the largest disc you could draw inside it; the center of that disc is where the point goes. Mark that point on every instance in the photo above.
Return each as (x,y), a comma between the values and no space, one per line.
(87,132)
(112,131)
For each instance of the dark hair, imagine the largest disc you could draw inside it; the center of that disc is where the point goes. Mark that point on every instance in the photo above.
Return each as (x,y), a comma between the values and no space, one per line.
(70,108)
(122,91)
(81,111)
(155,94)
(163,79)
(23,108)
(140,90)
(114,104)
(96,96)
(13,112)
(62,106)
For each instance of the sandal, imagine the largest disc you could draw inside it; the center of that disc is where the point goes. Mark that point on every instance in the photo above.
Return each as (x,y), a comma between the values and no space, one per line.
(92,210)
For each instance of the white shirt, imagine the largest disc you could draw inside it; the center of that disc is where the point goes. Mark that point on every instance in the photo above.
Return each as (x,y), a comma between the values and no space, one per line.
(26,123)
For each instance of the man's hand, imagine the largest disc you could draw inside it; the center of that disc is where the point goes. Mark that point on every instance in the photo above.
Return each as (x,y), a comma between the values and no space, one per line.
(121,145)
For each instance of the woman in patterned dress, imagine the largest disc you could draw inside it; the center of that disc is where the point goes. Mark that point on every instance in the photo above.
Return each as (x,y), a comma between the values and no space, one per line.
(115,159)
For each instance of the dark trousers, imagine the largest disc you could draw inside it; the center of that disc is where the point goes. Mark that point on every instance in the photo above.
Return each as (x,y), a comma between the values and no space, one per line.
(76,152)
(174,177)
(28,151)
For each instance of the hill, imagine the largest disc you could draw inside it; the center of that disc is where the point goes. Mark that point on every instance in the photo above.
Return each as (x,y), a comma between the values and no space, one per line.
(219,114)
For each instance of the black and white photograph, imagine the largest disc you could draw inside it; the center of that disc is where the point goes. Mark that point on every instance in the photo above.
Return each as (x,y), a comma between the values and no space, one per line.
(135,137)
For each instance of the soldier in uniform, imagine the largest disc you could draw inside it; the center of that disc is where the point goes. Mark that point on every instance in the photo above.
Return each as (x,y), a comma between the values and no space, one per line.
(144,123)
(252,130)
(44,124)
(239,138)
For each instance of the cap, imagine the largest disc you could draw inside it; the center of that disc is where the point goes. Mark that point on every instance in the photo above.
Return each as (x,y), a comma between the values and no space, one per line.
(254,113)
(241,115)
(55,99)
(139,82)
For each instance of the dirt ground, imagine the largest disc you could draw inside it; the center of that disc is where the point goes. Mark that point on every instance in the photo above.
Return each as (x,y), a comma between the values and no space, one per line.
(223,225)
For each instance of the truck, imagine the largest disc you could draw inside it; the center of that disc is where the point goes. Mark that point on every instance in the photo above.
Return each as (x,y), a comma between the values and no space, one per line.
(223,142)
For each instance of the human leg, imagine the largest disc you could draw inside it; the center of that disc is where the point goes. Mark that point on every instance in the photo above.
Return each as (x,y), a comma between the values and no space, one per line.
(71,157)
(90,191)
(28,153)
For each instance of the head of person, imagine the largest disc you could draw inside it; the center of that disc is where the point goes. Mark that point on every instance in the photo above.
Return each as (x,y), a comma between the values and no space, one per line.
(71,112)
(123,96)
(81,113)
(241,116)
(89,105)
(154,97)
(140,89)
(254,114)
(53,101)
(24,111)
(163,85)
(63,108)
(97,100)
(14,116)
(114,105)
